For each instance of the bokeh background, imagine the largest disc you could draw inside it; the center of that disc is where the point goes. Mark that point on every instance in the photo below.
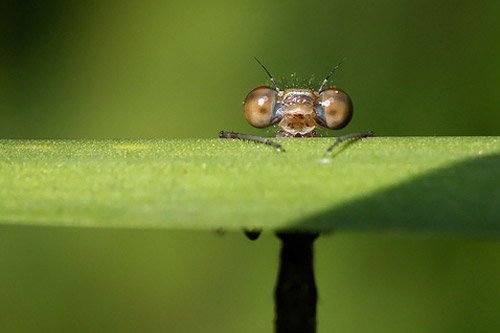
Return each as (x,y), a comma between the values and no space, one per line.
(161,69)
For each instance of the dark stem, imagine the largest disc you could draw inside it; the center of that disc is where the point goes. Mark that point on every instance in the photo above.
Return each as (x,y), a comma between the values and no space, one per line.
(295,293)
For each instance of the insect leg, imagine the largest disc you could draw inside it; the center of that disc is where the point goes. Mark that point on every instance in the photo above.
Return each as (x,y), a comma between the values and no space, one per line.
(266,141)
(350,136)
(252,234)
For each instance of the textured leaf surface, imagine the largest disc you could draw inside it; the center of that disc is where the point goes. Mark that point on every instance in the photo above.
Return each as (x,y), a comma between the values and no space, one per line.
(431,184)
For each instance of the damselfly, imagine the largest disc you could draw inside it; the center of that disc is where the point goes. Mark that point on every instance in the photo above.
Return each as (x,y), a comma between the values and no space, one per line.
(297,112)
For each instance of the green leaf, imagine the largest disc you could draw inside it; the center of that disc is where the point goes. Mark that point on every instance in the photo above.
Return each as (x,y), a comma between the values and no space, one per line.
(431,184)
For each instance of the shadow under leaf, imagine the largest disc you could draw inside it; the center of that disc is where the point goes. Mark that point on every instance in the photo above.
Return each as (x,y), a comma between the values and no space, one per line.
(462,199)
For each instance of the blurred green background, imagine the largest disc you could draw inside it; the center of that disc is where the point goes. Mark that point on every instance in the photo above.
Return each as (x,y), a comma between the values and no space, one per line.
(151,69)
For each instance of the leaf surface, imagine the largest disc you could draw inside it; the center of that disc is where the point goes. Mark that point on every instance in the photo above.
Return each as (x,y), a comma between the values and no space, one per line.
(430,184)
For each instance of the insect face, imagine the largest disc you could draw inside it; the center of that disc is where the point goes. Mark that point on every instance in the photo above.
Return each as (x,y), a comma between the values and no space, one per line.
(295,109)
(298,111)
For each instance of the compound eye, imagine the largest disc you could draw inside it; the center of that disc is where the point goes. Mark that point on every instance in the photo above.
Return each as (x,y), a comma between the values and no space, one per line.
(259,106)
(334,108)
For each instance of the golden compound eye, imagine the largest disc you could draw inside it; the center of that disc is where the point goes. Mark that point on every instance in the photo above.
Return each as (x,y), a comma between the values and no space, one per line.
(334,108)
(259,106)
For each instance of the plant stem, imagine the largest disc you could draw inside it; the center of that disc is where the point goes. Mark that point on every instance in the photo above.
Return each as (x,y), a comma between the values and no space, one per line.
(295,293)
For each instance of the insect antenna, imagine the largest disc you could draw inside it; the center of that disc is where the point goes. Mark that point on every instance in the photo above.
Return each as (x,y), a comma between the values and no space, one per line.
(270,76)
(329,75)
